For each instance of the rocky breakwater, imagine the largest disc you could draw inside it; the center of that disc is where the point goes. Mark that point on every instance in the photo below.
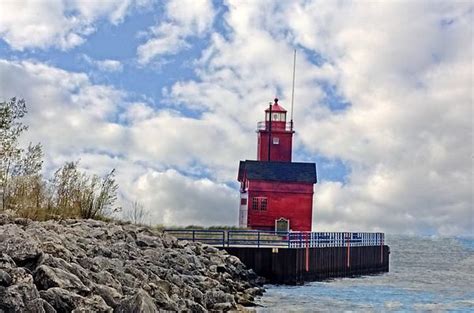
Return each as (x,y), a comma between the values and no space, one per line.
(93,266)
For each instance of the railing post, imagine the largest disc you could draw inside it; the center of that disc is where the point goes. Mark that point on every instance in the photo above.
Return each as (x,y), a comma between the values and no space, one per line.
(307,252)
(258,239)
(194,235)
(348,250)
(381,248)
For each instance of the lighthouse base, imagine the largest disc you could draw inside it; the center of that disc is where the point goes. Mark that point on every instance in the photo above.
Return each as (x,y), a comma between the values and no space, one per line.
(295,266)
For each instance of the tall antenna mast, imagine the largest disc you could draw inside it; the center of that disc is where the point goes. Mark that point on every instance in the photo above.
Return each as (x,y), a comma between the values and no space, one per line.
(293,90)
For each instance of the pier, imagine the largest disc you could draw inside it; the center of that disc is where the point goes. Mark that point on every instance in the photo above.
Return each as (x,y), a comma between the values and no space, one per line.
(298,257)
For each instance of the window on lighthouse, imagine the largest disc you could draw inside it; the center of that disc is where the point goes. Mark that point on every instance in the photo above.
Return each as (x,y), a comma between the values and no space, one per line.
(276,117)
(276,140)
(259,203)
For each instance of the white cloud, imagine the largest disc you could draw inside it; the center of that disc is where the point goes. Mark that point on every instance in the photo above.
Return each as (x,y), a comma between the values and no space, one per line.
(106,65)
(76,119)
(406,70)
(176,199)
(63,24)
(109,65)
(183,19)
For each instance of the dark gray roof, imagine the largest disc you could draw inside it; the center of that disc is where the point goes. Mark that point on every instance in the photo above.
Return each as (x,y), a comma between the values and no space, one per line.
(278,171)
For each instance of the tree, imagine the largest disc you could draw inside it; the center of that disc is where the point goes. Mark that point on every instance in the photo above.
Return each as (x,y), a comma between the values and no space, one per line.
(76,194)
(136,213)
(26,183)
(11,127)
(99,196)
(63,186)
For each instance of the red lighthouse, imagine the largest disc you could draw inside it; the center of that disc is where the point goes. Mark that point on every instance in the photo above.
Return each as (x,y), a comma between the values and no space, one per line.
(276,193)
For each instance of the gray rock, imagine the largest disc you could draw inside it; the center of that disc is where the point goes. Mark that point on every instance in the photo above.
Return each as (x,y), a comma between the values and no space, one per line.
(255,291)
(139,303)
(111,296)
(195,307)
(16,297)
(18,245)
(166,286)
(56,250)
(159,295)
(5,279)
(92,304)
(244,299)
(47,277)
(39,305)
(6,261)
(225,306)
(107,279)
(169,241)
(144,240)
(20,275)
(60,299)
(71,267)
(214,296)
(198,296)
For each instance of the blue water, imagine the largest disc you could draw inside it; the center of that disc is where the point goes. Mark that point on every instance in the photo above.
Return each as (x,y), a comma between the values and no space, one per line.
(426,275)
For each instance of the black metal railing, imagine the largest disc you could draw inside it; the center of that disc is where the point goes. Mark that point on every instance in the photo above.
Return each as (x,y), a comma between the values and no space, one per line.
(260,238)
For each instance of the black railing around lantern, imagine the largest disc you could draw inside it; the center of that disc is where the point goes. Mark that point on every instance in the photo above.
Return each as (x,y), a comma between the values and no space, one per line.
(265,125)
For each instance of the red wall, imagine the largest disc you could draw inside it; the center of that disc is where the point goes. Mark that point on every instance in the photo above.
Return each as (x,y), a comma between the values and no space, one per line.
(293,201)
(280,152)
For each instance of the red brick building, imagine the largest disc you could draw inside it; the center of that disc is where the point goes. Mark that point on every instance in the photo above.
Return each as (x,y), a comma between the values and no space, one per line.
(273,189)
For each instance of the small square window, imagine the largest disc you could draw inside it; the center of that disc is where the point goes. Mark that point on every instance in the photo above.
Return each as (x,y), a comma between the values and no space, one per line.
(276,140)
(243,201)
(259,203)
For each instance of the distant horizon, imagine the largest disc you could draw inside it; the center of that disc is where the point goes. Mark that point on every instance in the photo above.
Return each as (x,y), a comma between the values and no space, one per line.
(170,94)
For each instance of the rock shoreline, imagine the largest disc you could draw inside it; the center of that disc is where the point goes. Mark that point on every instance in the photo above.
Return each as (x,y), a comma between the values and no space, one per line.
(94,266)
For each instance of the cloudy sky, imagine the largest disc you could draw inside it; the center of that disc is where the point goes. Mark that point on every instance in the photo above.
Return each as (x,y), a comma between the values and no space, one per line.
(169,94)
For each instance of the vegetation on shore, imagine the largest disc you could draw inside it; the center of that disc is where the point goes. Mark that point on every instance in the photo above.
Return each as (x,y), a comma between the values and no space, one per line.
(69,193)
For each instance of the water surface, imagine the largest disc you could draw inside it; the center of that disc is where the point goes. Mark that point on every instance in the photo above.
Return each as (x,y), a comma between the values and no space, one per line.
(426,274)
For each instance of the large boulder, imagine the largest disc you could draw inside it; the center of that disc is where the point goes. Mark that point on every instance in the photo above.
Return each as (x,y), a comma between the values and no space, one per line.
(18,245)
(111,296)
(60,299)
(18,298)
(48,277)
(141,302)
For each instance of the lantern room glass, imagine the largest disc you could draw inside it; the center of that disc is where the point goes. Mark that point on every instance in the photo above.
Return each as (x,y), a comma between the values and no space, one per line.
(276,117)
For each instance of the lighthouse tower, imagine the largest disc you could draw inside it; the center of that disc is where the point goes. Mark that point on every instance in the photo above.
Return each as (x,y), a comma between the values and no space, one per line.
(275,135)
(276,193)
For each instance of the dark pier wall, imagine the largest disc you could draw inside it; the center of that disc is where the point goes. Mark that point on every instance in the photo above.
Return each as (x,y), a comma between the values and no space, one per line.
(297,265)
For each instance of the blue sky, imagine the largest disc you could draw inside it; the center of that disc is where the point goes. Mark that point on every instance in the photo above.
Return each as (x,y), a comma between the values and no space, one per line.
(170,92)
